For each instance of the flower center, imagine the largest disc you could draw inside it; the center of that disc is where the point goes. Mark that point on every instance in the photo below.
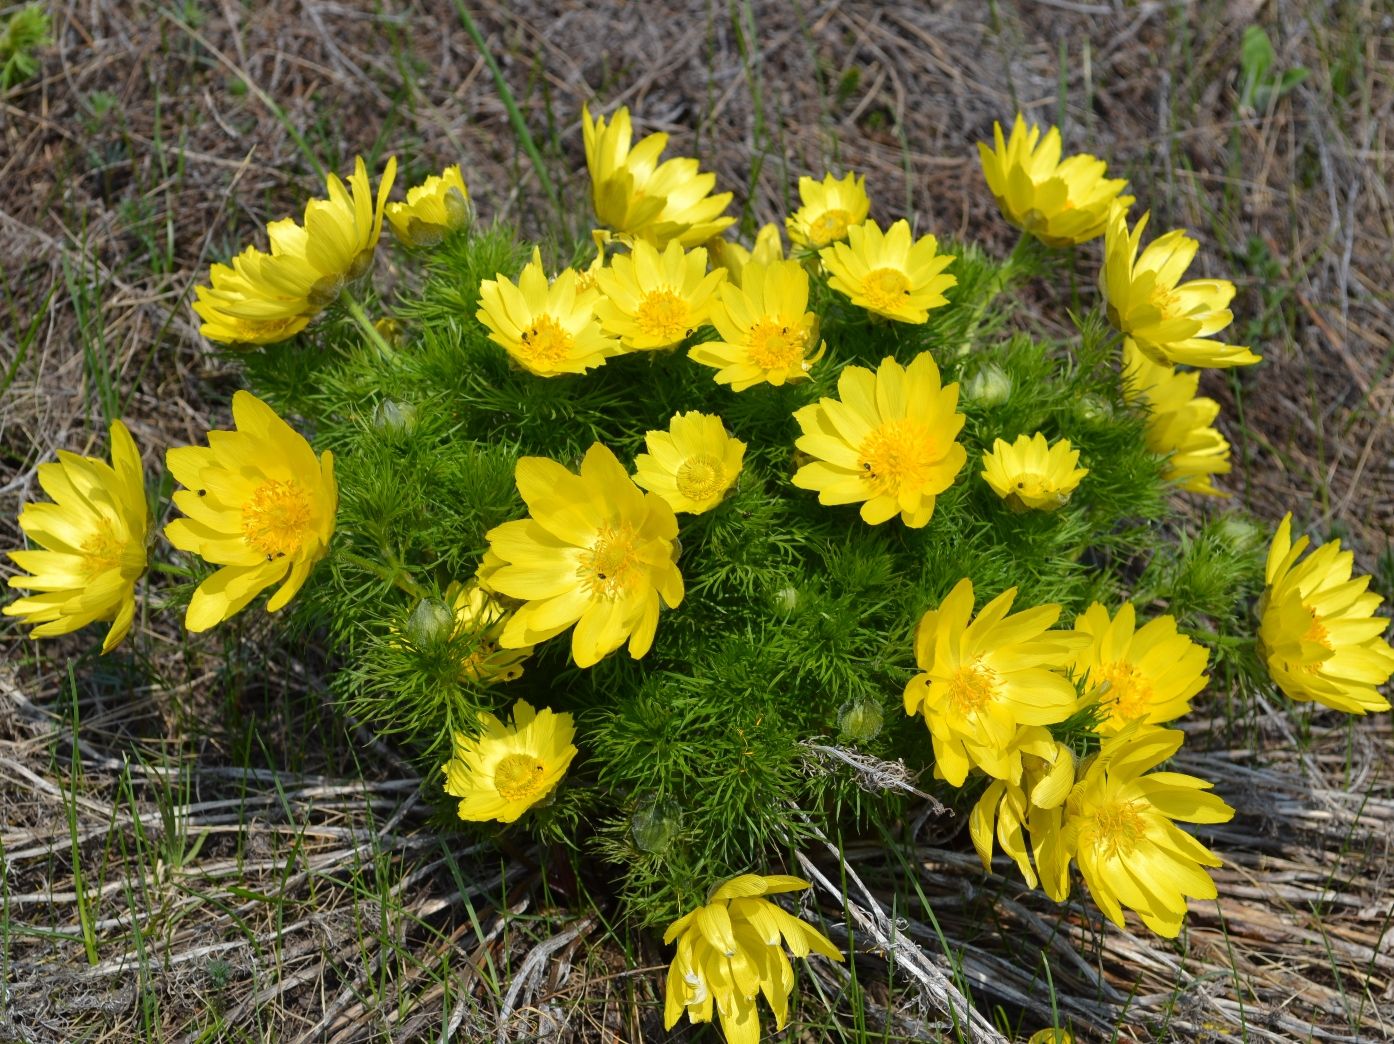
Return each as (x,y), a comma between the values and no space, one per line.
(972,688)
(518,777)
(664,316)
(898,455)
(885,288)
(546,342)
(1118,828)
(1316,631)
(774,346)
(701,478)
(609,565)
(102,551)
(1128,691)
(275,521)
(1167,301)
(829,225)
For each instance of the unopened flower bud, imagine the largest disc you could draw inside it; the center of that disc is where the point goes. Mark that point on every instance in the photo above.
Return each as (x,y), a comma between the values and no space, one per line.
(654,826)
(1239,533)
(860,721)
(430,623)
(394,418)
(989,386)
(785,600)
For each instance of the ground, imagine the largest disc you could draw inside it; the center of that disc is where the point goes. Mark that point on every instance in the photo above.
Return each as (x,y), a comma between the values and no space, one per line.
(197,846)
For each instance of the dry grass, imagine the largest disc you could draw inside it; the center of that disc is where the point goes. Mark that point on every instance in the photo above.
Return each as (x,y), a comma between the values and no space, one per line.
(181,862)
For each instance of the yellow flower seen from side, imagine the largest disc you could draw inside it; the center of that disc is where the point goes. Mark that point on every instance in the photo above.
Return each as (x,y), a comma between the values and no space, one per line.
(546,328)
(692,465)
(730,953)
(1179,421)
(768,336)
(1031,474)
(830,208)
(1060,202)
(887,274)
(981,678)
(1318,632)
(1017,814)
(265,297)
(1142,674)
(654,300)
(886,443)
(435,208)
(1120,826)
(641,198)
(259,504)
(733,257)
(479,623)
(92,538)
(596,552)
(506,769)
(1169,321)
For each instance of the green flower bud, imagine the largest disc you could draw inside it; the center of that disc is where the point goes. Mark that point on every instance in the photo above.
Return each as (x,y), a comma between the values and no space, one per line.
(392,418)
(989,386)
(1239,533)
(785,600)
(430,624)
(860,721)
(655,826)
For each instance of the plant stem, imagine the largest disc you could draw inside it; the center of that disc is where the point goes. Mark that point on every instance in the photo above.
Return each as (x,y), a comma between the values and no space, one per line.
(396,576)
(355,309)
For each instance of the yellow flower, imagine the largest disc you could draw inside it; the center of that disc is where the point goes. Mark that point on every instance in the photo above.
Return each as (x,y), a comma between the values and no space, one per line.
(641,198)
(479,621)
(830,208)
(1178,424)
(93,536)
(887,443)
(1170,321)
(1119,827)
(596,552)
(506,769)
(655,300)
(306,269)
(1318,631)
(1031,474)
(258,504)
(1010,810)
(692,464)
(729,952)
(1146,674)
(733,257)
(1058,202)
(435,208)
(983,678)
(767,333)
(1051,1035)
(887,274)
(548,329)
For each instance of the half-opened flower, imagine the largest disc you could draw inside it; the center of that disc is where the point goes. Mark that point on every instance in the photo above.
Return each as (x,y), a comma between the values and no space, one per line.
(887,443)
(768,335)
(1032,474)
(981,679)
(479,623)
(1120,826)
(1024,817)
(638,196)
(1142,674)
(1179,422)
(504,770)
(258,504)
(733,257)
(1169,321)
(887,274)
(596,552)
(1318,632)
(264,297)
(1060,202)
(546,328)
(693,464)
(730,953)
(830,208)
(435,208)
(93,543)
(655,300)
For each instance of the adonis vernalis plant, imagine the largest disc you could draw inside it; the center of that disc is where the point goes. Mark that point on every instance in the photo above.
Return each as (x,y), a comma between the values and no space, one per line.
(608,538)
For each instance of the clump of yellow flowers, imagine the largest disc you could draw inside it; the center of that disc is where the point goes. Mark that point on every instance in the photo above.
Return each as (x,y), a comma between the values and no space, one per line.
(748,470)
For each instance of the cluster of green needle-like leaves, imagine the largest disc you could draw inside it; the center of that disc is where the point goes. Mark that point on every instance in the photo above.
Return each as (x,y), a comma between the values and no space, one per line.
(698,761)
